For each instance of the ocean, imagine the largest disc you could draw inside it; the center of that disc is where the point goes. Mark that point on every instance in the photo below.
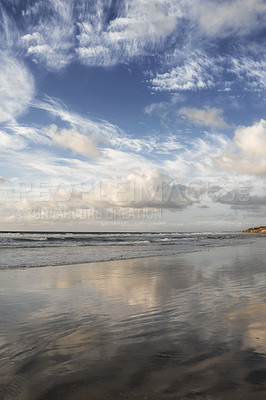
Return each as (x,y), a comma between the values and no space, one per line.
(35,249)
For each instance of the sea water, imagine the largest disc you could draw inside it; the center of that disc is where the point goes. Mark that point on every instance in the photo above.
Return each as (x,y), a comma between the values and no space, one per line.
(33,249)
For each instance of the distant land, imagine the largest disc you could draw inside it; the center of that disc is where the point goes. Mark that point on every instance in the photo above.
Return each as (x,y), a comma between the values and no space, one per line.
(259,229)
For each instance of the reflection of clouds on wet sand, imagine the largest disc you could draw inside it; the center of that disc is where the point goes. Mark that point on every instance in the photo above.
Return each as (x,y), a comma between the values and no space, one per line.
(250,318)
(255,337)
(173,327)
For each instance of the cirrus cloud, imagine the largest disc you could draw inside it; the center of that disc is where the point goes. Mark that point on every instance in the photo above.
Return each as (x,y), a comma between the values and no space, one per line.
(16,88)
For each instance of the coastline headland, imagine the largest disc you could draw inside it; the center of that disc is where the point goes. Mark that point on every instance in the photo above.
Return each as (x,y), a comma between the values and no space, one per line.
(259,229)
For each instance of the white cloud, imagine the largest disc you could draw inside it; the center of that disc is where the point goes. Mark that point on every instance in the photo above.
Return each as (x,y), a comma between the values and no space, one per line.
(53,33)
(11,142)
(140,28)
(148,189)
(252,72)
(32,134)
(238,17)
(103,32)
(16,88)
(211,117)
(252,139)
(241,198)
(101,128)
(107,132)
(121,155)
(169,145)
(246,154)
(194,160)
(50,33)
(44,164)
(9,33)
(197,72)
(200,71)
(156,108)
(74,140)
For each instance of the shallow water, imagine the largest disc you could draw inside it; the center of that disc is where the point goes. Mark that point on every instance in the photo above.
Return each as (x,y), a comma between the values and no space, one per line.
(189,326)
(31,249)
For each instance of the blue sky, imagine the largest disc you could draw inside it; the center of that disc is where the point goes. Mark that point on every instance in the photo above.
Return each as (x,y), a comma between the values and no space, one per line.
(132,115)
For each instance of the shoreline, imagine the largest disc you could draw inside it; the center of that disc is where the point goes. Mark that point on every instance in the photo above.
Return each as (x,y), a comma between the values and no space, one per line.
(162,251)
(102,261)
(116,259)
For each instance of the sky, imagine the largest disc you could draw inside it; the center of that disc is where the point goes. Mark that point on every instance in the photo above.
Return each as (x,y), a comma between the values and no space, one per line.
(132,115)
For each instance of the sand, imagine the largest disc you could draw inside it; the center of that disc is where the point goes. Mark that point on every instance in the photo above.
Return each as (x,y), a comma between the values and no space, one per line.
(189,326)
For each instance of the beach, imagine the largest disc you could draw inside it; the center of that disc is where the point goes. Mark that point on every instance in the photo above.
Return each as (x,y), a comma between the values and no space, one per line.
(182,326)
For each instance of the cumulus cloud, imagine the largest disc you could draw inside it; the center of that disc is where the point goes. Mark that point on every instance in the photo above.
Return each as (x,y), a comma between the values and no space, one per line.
(246,154)
(149,189)
(16,88)
(211,117)
(74,140)
(242,199)
(252,139)
(241,194)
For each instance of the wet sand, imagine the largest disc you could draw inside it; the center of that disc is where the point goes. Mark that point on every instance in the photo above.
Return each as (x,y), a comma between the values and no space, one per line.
(189,326)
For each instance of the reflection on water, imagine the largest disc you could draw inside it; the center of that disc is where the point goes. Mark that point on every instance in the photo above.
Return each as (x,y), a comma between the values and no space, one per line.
(178,327)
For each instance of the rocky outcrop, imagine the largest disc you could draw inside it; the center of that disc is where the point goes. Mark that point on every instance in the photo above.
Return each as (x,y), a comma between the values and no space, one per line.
(259,229)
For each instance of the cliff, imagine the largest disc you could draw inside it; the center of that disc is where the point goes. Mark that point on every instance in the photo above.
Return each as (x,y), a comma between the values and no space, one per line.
(259,229)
